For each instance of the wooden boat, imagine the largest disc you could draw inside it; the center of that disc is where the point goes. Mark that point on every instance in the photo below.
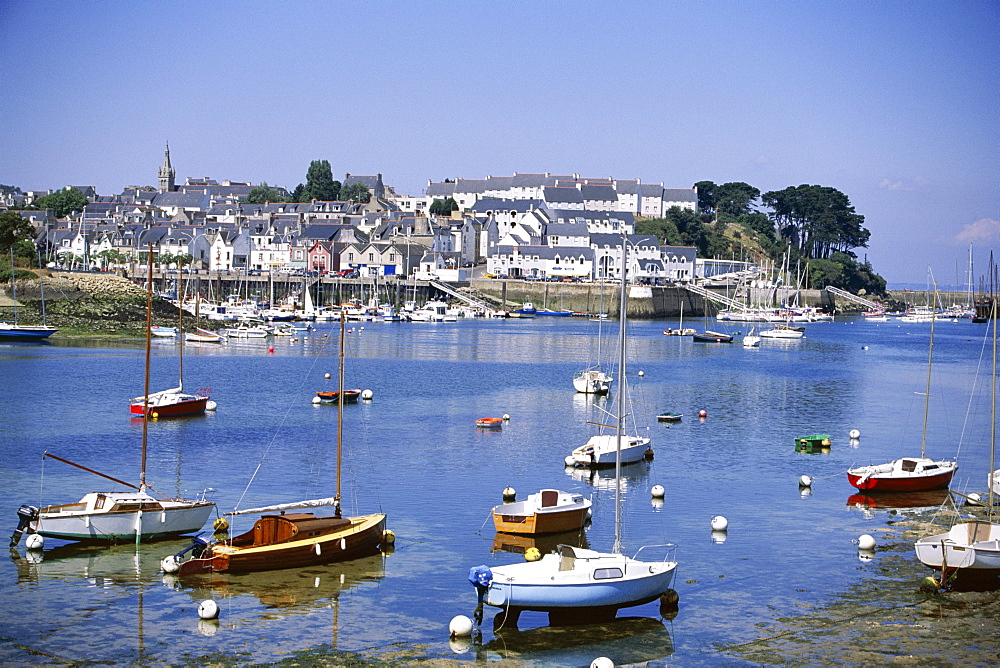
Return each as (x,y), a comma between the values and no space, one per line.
(908,474)
(669,417)
(174,402)
(116,516)
(575,580)
(687,331)
(289,540)
(350,396)
(489,423)
(547,511)
(712,337)
(812,443)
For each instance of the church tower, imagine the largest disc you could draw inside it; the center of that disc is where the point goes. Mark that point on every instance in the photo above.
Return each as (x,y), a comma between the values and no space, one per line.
(167,174)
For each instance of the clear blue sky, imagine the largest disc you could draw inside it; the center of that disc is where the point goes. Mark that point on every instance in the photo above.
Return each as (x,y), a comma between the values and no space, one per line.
(894,103)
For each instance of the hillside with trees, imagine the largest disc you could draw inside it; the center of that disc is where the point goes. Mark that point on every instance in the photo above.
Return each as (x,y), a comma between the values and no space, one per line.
(816,227)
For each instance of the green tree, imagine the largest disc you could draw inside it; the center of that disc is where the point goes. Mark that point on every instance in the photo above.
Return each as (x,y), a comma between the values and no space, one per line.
(319,182)
(706,196)
(263,193)
(355,192)
(817,220)
(735,198)
(299,194)
(443,207)
(14,228)
(63,202)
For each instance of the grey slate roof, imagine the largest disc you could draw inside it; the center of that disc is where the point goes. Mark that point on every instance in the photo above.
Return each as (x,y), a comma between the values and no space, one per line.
(566,230)
(190,200)
(563,194)
(598,193)
(680,195)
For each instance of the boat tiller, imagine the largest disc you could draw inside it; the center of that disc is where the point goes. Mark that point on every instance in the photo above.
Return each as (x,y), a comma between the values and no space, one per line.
(25,516)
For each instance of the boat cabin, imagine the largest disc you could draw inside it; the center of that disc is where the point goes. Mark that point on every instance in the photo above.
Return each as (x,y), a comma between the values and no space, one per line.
(272,529)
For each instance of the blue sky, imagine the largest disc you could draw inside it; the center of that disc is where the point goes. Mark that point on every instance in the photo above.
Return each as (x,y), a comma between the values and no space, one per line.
(894,103)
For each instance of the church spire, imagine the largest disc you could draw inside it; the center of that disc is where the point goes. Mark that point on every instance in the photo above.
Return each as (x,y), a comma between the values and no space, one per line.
(167,173)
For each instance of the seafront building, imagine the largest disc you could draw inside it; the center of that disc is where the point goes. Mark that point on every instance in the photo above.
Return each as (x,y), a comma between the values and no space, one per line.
(533,226)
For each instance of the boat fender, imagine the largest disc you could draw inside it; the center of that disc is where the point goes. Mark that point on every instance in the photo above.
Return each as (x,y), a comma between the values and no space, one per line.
(221,525)
(26,514)
(532,554)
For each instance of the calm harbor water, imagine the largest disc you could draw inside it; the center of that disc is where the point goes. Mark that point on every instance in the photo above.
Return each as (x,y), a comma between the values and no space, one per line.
(414,453)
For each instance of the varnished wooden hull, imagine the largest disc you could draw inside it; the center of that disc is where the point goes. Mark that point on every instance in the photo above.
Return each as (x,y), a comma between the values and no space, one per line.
(540,523)
(361,539)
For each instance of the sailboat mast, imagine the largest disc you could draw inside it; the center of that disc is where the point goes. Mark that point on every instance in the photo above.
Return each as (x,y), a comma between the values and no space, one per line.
(927,394)
(180,331)
(993,412)
(340,405)
(145,394)
(619,432)
(13,283)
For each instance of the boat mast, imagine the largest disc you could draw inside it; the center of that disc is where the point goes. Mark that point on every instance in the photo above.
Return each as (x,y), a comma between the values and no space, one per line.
(145,396)
(13,284)
(993,412)
(340,406)
(180,330)
(927,394)
(619,432)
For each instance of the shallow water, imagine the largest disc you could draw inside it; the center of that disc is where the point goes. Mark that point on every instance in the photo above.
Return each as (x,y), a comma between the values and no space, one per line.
(414,453)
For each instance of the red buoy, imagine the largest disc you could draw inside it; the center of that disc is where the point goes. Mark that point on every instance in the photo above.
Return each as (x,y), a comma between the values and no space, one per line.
(703,413)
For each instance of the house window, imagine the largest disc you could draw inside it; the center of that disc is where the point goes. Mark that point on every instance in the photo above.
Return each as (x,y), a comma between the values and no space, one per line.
(371,257)
(392,257)
(350,257)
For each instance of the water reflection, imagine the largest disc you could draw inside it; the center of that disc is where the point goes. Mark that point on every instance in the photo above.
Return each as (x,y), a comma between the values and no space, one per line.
(285,589)
(604,479)
(899,500)
(625,640)
(515,544)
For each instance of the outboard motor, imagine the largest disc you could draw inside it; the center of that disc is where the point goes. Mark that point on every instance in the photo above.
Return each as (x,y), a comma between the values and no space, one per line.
(25,516)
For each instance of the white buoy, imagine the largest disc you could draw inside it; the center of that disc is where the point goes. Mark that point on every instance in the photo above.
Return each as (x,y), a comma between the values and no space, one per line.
(720,523)
(211,405)
(641,374)
(361,329)
(509,494)
(657,491)
(973,500)
(506,417)
(327,376)
(317,400)
(169,564)
(34,542)
(865,542)
(854,433)
(569,461)
(602,662)
(208,609)
(460,626)
(367,395)
(805,481)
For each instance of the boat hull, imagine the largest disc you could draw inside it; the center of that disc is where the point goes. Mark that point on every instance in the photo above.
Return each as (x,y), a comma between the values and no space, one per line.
(599,451)
(611,581)
(25,332)
(361,539)
(973,546)
(194,406)
(919,483)
(173,518)
(540,523)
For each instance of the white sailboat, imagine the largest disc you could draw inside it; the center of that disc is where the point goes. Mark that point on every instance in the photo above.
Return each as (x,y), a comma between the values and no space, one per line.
(572,580)
(593,379)
(969,546)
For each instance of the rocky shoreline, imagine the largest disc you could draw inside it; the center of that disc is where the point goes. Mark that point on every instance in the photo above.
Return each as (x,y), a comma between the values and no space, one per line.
(79,304)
